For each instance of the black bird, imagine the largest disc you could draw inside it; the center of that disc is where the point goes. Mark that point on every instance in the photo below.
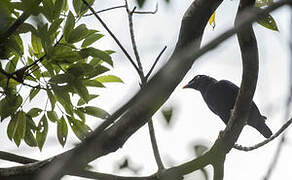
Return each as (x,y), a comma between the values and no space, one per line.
(220,96)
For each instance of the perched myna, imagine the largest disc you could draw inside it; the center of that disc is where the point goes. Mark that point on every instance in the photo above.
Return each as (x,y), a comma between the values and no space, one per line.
(220,96)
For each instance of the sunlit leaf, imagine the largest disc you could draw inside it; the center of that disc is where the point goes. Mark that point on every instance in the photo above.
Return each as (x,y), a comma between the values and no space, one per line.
(212,20)
(108,79)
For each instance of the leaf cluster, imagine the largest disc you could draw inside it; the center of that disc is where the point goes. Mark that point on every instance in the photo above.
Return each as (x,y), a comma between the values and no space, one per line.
(61,63)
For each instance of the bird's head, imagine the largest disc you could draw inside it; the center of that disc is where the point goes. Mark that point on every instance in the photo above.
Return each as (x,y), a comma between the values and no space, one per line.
(199,82)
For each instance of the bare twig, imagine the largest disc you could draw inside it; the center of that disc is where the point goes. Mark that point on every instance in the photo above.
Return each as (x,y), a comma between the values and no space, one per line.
(147,12)
(104,10)
(155,62)
(256,146)
(133,41)
(112,35)
(155,146)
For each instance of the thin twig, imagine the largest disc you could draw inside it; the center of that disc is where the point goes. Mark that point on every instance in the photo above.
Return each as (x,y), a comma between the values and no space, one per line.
(104,10)
(256,146)
(155,146)
(155,62)
(147,12)
(133,41)
(112,35)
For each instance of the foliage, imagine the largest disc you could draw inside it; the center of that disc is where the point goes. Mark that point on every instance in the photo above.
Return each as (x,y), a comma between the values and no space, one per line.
(60,63)
(266,21)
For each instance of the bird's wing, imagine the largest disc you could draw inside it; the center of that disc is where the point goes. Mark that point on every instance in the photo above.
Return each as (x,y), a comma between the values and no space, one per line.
(220,98)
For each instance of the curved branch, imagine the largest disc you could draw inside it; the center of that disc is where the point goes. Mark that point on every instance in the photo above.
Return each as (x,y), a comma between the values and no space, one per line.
(256,146)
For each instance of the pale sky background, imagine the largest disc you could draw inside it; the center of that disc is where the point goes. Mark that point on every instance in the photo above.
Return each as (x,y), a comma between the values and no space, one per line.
(192,121)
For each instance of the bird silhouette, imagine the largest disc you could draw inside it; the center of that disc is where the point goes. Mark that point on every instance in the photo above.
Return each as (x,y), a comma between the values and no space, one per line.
(220,96)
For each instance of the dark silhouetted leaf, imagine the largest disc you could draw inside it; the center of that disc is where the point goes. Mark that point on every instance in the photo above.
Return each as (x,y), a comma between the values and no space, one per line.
(82,102)
(268,22)
(77,34)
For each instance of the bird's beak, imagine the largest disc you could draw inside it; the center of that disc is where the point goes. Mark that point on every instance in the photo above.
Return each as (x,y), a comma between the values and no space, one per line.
(186,86)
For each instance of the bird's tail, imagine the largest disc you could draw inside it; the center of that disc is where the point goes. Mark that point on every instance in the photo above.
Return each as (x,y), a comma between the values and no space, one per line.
(263,128)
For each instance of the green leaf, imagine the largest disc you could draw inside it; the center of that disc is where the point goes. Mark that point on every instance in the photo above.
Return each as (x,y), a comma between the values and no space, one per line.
(62,131)
(36,44)
(96,53)
(9,105)
(33,93)
(93,83)
(108,79)
(63,97)
(77,6)
(80,69)
(69,25)
(268,22)
(91,39)
(95,111)
(82,102)
(25,28)
(52,115)
(52,99)
(34,112)
(167,114)
(29,138)
(81,90)
(17,127)
(42,132)
(77,34)
(80,129)
(80,114)
(140,3)
(55,26)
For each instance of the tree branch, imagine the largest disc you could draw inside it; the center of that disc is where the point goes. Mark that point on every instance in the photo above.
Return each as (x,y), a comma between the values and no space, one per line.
(112,35)
(155,62)
(150,98)
(256,146)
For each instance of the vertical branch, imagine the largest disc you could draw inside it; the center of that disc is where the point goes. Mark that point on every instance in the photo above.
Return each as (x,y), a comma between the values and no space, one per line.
(218,171)
(133,42)
(155,146)
(143,79)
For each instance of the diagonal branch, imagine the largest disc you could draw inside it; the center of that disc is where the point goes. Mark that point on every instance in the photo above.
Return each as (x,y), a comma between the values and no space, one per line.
(112,35)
